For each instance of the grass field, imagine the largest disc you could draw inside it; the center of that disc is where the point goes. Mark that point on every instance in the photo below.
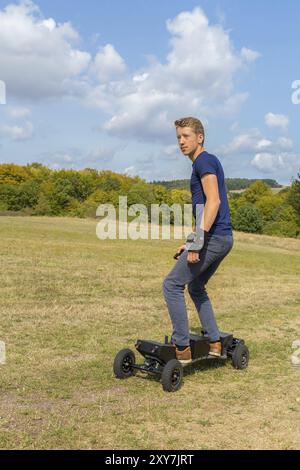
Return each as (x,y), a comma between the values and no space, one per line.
(69,302)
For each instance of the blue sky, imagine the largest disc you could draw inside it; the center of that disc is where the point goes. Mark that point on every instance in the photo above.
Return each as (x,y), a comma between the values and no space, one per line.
(99,84)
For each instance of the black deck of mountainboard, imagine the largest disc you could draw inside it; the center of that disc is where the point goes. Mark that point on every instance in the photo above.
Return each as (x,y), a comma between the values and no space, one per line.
(164,352)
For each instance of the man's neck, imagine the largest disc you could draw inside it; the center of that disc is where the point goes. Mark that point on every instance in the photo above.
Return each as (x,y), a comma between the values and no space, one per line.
(197,152)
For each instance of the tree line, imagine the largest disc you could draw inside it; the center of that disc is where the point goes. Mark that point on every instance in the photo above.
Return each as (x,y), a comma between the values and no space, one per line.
(35,189)
(231,183)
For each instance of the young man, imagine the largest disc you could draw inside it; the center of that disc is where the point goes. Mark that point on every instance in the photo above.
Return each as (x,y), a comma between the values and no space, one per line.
(194,267)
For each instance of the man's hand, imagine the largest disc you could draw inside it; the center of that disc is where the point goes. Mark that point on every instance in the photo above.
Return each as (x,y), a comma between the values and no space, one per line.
(193,257)
(179,251)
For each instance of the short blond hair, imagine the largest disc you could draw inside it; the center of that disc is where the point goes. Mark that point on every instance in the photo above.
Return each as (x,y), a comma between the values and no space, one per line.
(192,122)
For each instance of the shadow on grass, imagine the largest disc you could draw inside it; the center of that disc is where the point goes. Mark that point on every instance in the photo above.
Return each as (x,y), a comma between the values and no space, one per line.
(144,376)
(190,369)
(205,364)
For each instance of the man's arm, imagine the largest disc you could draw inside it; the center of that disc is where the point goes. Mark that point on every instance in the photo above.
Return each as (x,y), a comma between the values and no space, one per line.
(211,208)
(210,187)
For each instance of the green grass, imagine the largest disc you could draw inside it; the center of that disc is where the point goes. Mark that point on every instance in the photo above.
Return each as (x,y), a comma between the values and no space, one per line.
(69,302)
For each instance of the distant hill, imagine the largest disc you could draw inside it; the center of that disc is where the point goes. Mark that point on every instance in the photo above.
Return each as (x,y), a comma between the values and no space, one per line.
(231,183)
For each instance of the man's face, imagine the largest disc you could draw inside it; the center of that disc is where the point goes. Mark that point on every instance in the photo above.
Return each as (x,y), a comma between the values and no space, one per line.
(188,140)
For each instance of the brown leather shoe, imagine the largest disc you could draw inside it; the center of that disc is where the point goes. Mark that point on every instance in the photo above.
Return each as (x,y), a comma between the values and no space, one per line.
(184,356)
(215,349)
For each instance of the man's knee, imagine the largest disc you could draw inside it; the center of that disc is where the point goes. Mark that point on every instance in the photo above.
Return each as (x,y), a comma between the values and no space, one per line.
(197,290)
(167,286)
(170,286)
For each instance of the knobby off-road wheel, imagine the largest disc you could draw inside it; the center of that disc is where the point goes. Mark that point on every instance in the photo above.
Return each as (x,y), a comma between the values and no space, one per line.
(240,356)
(171,377)
(123,363)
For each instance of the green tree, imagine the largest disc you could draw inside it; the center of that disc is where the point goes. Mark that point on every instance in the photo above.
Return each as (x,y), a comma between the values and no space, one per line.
(255,191)
(293,197)
(74,184)
(235,201)
(9,197)
(282,229)
(269,205)
(89,206)
(17,197)
(248,219)
(141,193)
(285,223)
(13,174)
(180,196)
(47,203)
(44,206)
(38,172)
(161,194)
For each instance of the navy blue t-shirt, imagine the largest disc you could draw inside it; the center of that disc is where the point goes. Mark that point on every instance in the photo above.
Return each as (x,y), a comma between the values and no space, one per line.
(208,163)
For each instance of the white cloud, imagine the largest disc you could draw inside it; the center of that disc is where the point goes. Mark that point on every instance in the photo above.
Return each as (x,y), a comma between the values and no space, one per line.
(40,59)
(267,162)
(171,149)
(73,157)
(60,159)
(141,77)
(253,141)
(266,155)
(249,55)
(243,143)
(65,158)
(101,155)
(171,152)
(285,143)
(19,113)
(277,120)
(37,56)
(263,144)
(130,171)
(285,163)
(210,66)
(17,133)
(192,81)
(108,64)
(234,126)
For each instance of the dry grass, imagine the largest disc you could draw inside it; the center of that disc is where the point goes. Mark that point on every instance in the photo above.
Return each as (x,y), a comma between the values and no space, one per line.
(69,302)
(274,190)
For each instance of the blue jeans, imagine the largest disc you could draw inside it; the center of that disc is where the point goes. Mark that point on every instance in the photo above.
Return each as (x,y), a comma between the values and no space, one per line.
(195,276)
